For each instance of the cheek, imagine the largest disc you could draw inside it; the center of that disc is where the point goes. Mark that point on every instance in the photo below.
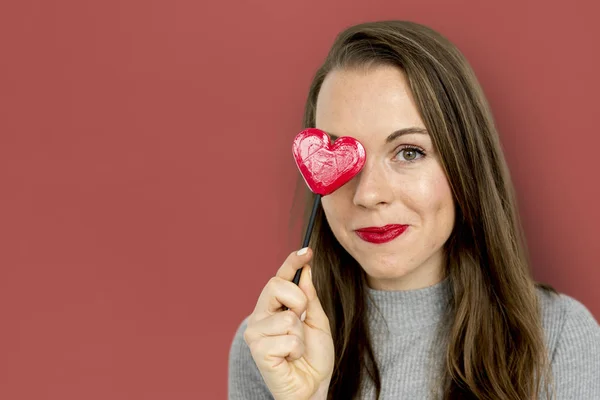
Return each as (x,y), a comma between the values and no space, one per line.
(337,208)
(432,198)
(332,206)
(442,195)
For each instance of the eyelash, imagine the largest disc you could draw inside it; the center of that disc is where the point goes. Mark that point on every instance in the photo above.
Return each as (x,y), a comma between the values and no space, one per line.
(412,148)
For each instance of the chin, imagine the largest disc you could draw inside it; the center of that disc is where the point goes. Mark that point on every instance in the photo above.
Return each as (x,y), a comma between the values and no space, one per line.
(379,270)
(398,274)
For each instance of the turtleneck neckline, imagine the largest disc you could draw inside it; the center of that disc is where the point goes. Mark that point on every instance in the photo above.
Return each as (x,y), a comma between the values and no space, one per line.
(406,310)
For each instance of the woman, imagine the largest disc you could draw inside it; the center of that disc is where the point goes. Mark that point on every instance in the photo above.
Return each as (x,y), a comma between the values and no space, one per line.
(416,282)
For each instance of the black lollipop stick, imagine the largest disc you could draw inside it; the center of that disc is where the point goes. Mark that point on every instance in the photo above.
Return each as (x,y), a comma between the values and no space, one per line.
(311,224)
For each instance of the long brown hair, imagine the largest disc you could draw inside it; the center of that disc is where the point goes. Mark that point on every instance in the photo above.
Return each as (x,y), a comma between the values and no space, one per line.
(495,341)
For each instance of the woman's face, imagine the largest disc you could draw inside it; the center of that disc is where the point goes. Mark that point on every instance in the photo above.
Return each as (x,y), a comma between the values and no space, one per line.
(402,183)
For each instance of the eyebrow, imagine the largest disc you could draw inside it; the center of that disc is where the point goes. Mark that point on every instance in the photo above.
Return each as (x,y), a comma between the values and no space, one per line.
(396,134)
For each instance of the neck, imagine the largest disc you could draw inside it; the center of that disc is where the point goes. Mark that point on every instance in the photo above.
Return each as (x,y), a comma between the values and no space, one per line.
(403,310)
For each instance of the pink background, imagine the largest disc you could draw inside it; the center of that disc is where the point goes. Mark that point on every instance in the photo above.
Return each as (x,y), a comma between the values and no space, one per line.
(147,178)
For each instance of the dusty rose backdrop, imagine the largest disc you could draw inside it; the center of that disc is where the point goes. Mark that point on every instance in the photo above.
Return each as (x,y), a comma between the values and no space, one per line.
(146,174)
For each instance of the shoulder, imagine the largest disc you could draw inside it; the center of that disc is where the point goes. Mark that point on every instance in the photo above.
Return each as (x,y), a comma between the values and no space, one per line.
(244,379)
(564,317)
(238,345)
(573,340)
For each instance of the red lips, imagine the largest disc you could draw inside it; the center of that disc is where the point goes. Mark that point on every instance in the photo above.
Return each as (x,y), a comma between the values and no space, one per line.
(381,234)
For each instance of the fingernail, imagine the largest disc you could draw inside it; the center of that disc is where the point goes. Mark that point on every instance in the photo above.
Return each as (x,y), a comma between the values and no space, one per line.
(310,273)
(303,316)
(302,251)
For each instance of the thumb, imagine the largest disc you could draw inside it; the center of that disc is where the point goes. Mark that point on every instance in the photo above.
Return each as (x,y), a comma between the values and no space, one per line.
(315,315)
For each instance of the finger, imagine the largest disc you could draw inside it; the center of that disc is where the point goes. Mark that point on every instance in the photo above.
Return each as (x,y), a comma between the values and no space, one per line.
(276,294)
(281,323)
(293,262)
(315,315)
(269,350)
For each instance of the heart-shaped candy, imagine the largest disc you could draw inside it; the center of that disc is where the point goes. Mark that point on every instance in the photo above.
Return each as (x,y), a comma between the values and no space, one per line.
(325,166)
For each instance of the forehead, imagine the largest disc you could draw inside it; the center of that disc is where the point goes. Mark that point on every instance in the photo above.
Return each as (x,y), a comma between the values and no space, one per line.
(366,103)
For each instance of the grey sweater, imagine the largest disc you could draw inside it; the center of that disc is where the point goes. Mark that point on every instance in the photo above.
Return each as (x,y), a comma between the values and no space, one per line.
(409,352)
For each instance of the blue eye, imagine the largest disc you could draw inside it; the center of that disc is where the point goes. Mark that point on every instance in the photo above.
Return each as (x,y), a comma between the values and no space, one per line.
(410,153)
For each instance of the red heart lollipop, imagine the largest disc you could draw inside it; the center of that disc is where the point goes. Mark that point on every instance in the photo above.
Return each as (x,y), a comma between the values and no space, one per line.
(325,166)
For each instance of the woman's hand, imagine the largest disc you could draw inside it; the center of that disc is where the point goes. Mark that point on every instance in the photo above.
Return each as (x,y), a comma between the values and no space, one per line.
(293,349)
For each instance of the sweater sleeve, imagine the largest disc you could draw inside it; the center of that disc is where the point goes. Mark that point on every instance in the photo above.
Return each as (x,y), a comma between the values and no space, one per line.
(244,379)
(576,357)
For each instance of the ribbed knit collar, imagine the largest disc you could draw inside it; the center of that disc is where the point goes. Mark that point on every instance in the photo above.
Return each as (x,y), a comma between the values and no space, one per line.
(407,310)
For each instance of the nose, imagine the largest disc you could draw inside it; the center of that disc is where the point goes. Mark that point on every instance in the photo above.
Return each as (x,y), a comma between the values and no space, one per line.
(372,187)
